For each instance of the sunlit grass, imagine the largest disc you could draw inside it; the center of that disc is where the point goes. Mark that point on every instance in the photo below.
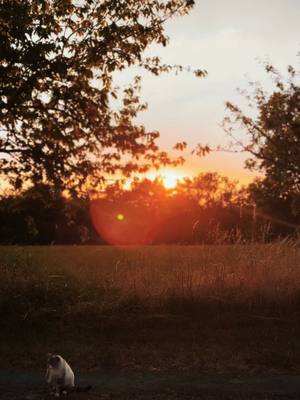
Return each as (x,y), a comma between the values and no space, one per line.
(214,308)
(250,276)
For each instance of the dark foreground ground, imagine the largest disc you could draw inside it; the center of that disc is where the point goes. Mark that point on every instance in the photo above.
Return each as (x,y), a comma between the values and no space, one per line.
(161,386)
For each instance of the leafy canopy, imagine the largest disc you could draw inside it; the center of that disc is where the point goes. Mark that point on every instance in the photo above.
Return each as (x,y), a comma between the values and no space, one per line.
(274,138)
(57,59)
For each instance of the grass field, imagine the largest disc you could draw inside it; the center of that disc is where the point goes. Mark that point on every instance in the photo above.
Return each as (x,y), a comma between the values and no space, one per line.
(208,308)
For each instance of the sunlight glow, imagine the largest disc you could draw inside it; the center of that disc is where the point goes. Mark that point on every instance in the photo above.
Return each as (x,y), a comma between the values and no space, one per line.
(169,178)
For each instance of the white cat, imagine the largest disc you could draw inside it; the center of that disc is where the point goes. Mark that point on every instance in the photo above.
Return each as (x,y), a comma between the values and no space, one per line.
(59,375)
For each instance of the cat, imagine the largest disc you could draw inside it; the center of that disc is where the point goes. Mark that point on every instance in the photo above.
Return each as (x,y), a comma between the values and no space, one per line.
(60,377)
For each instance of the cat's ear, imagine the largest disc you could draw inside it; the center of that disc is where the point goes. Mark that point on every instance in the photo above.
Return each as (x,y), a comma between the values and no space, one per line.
(49,355)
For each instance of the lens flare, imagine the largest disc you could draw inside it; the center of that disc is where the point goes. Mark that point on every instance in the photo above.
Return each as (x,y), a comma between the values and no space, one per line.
(120,217)
(120,223)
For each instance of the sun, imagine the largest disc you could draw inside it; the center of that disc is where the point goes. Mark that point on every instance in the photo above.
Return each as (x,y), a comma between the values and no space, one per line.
(169,178)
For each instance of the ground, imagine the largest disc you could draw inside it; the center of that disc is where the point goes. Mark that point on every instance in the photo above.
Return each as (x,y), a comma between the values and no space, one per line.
(132,385)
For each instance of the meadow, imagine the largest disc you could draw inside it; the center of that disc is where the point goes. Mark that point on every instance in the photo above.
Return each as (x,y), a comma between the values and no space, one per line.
(220,309)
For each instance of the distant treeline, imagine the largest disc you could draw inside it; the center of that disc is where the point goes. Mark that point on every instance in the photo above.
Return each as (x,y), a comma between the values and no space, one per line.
(207,209)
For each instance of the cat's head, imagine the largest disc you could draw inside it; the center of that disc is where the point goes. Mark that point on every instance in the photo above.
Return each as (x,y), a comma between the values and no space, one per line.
(53,360)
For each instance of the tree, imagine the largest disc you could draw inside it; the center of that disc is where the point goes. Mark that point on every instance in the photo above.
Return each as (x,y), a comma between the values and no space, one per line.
(210,188)
(43,216)
(274,144)
(57,59)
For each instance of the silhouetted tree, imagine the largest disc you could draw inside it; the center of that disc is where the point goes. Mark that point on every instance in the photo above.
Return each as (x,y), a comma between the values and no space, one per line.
(42,215)
(57,59)
(147,213)
(274,135)
(204,209)
(210,188)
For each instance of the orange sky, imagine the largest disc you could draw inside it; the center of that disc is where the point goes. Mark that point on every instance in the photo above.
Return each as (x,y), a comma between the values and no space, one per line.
(230,39)
(225,164)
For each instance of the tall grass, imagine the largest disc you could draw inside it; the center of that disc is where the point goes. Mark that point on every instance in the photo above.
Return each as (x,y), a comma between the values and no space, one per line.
(174,279)
(214,308)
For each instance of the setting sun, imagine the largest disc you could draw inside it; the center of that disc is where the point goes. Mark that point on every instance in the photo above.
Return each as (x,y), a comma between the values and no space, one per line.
(169,178)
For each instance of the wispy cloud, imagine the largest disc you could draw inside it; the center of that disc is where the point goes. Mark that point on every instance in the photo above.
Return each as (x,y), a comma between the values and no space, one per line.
(228,39)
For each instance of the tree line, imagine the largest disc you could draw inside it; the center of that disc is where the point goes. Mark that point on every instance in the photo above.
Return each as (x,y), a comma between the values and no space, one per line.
(206,209)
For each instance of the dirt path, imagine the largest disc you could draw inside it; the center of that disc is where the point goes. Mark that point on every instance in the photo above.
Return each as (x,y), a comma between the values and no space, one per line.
(134,385)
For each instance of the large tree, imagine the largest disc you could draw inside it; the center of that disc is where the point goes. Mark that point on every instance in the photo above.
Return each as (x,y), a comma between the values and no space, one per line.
(58,118)
(274,142)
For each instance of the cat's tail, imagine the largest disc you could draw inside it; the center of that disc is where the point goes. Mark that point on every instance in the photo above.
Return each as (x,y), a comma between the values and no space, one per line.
(82,389)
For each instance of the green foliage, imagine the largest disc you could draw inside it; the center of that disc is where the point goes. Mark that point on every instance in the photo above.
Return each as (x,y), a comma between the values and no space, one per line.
(57,59)
(274,140)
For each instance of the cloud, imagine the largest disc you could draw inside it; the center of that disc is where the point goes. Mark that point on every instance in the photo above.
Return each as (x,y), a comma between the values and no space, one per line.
(228,39)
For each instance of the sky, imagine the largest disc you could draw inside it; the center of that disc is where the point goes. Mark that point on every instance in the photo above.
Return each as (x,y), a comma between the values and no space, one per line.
(230,39)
